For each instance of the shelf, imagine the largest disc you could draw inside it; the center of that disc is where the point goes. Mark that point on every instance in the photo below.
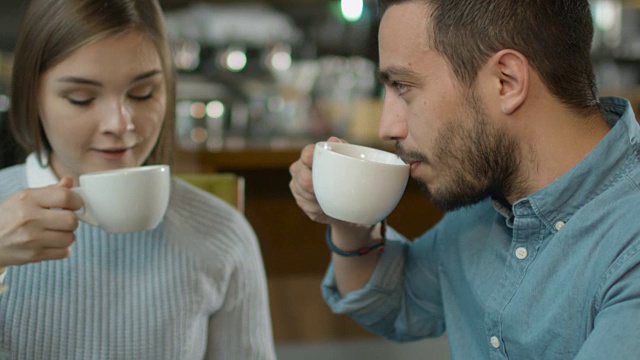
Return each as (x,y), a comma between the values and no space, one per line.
(249,159)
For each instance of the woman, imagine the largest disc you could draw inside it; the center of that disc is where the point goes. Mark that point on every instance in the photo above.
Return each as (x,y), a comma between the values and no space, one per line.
(93,89)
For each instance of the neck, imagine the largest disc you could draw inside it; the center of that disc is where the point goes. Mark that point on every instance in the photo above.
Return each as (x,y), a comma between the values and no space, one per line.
(552,142)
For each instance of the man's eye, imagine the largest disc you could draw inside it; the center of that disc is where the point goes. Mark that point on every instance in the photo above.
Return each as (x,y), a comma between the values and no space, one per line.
(400,88)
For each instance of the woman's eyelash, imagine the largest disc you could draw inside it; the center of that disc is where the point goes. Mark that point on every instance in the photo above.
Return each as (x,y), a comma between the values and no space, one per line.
(85,102)
(80,102)
(143,97)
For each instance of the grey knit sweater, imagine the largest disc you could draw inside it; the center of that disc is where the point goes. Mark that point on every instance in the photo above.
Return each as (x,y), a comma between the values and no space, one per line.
(192,288)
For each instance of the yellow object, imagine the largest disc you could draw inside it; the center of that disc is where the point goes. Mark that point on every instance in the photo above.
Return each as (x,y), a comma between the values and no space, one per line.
(364,122)
(227,186)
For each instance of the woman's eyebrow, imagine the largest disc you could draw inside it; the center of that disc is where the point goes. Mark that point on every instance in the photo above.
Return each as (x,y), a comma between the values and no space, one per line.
(147,75)
(79,80)
(85,81)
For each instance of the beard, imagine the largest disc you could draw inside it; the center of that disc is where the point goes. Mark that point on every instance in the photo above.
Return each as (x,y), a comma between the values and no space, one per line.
(473,162)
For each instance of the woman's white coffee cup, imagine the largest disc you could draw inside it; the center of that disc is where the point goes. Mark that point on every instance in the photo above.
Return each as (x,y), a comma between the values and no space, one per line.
(355,183)
(125,200)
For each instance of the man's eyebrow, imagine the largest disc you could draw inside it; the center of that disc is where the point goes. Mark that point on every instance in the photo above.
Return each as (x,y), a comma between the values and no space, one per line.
(84,81)
(384,75)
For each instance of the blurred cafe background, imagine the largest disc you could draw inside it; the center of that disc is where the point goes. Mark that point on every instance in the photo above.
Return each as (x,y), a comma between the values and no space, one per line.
(260,79)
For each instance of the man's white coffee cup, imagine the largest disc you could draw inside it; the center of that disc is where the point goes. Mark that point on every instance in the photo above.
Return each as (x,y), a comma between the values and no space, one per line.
(125,200)
(355,183)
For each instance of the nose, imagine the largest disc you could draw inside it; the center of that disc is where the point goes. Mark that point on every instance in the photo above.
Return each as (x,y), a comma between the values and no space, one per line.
(117,118)
(392,119)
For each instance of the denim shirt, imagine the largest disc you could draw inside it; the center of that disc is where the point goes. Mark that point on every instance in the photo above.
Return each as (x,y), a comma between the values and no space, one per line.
(556,276)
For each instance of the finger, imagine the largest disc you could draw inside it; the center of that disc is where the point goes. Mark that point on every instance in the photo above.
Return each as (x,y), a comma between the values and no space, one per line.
(306,156)
(296,168)
(76,202)
(307,201)
(302,176)
(308,204)
(57,254)
(304,179)
(337,139)
(35,241)
(57,196)
(57,239)
(66,181)
(40,250)
(300,193)
(313,212)
(54,254)
(59,220)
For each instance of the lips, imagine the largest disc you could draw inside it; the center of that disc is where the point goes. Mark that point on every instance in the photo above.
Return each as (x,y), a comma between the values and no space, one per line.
(409,161)
(413,165)
(113,153)
(114,149)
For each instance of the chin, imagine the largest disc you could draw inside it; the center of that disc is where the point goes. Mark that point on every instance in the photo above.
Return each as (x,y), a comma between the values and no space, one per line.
(453,198)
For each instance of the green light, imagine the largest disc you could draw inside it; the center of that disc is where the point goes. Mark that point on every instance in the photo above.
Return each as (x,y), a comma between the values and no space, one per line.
(352,9)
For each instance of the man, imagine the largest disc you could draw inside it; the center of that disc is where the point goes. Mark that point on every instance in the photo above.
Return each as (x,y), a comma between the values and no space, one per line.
(494,105)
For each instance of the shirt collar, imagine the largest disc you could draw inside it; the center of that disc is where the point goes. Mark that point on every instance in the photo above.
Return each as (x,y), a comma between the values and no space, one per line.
(602,167)
(38,175)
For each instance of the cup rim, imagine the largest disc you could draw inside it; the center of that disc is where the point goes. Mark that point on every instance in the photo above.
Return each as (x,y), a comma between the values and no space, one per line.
(128,170)
(319,144)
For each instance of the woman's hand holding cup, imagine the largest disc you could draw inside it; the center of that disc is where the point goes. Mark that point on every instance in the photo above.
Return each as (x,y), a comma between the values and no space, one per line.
(38,224)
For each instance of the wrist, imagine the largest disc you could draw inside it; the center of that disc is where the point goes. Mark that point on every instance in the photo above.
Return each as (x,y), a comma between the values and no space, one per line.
(356,240)
(352,235)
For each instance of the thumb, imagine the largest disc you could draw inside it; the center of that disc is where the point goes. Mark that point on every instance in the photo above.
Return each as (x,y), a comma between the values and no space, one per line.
(337,139)
(66,181)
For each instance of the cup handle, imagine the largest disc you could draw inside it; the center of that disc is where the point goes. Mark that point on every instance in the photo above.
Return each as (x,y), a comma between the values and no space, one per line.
(84,214)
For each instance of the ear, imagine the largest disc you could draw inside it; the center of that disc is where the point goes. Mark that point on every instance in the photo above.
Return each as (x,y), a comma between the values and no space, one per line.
(511,70)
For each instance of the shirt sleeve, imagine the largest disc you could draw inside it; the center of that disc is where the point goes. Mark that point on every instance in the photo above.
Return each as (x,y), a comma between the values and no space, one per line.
(402,299)
(616,328)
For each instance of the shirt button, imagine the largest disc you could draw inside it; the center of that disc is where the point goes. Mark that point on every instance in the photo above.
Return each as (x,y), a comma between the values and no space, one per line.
(559,225)
(495,342)
(521,253)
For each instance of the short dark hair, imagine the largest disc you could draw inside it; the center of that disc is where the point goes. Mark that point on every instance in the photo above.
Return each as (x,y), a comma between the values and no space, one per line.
(554,35)
(52,29)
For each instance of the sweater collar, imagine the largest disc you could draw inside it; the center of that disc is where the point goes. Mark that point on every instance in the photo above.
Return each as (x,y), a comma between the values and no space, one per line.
(38,175)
